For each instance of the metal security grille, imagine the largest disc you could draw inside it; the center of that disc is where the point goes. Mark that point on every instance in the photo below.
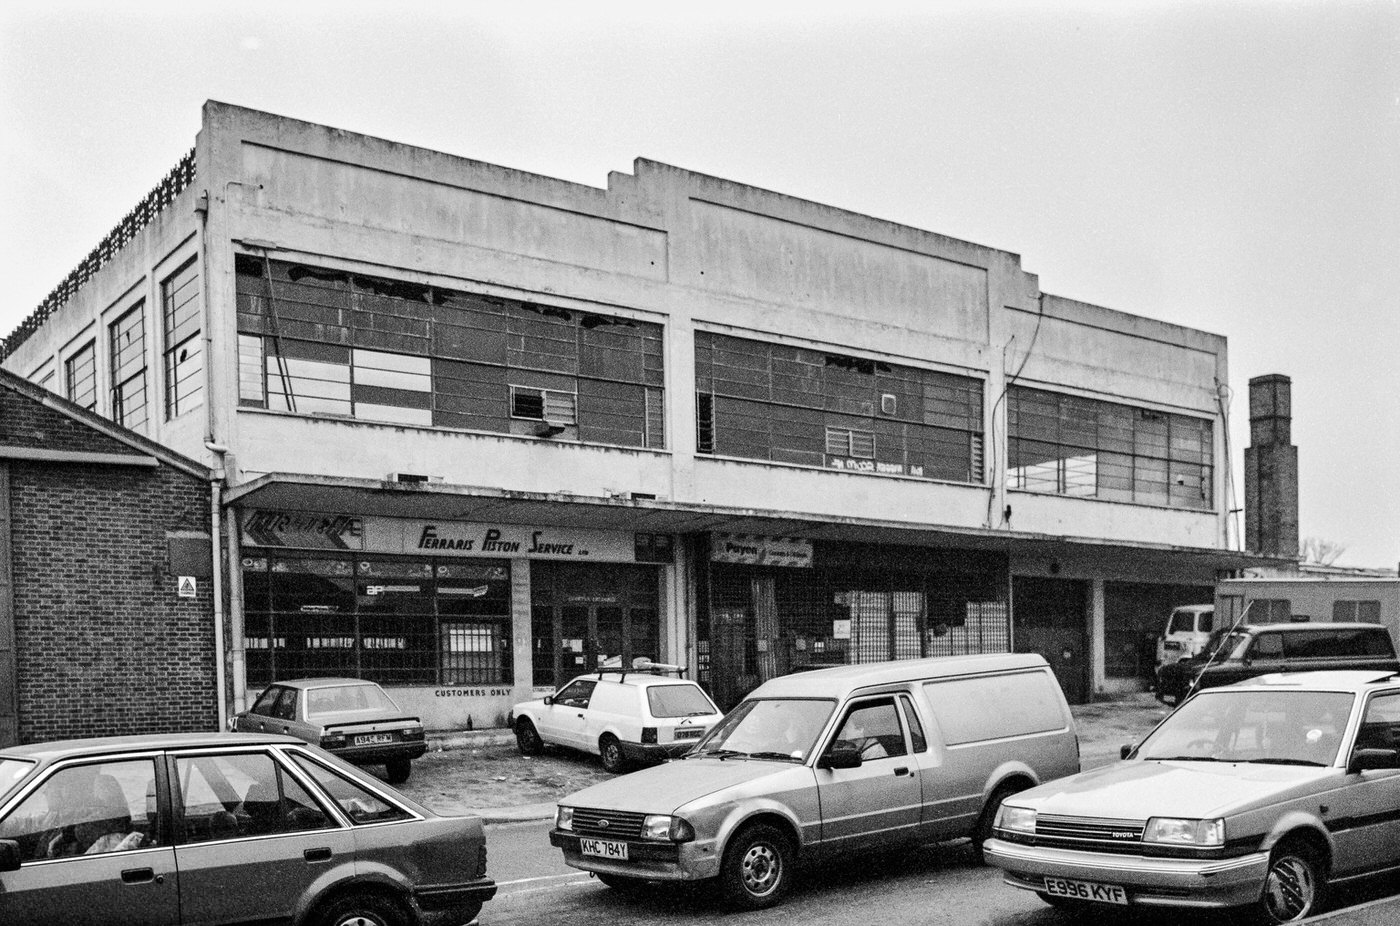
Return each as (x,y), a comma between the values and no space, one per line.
(765,621)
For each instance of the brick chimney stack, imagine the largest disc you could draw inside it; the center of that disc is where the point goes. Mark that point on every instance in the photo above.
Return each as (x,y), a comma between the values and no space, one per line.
(1271,470)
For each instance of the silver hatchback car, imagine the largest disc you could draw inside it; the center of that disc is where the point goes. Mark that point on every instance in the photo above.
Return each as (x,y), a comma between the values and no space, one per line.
(1257,794)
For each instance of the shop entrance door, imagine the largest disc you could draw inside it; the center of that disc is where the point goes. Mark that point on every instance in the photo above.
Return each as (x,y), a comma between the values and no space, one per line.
(1051,617)
(592,617)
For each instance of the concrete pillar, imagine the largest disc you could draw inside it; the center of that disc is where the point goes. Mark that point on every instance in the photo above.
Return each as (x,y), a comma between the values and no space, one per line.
(1097,673)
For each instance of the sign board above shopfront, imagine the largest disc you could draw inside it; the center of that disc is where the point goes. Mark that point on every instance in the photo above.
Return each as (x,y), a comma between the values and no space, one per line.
(299,530)
(756,550)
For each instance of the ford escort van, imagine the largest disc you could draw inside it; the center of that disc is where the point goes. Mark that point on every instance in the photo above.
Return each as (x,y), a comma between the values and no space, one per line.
(847,760)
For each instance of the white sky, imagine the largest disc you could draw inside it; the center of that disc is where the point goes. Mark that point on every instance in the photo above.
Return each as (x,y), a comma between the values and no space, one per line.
(1228,166)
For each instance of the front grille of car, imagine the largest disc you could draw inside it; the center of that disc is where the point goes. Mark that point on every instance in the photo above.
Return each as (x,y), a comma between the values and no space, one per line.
(617,824)
(1090,834)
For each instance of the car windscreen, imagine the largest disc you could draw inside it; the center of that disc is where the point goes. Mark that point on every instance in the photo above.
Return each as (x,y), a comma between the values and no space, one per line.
(347,699)
(769,728)
(678,701)
(11,771)
(1251,725)
(1182,622)
(1224,644)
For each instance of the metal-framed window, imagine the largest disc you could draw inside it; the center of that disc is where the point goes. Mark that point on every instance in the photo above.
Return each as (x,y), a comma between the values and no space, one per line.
(127,340)
(80,376)
(551,405)
(1069,445)
(183,357)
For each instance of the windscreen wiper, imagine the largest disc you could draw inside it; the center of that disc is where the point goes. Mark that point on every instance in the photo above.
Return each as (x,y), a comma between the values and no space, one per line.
(720,753)
(785,756)
(1182,759)
(1282,761)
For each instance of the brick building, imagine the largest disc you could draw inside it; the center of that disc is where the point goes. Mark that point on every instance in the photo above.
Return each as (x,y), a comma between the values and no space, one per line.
(95,637)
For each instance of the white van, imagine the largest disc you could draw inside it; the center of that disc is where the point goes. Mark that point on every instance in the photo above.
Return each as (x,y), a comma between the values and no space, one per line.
(845,761)
(1188,628)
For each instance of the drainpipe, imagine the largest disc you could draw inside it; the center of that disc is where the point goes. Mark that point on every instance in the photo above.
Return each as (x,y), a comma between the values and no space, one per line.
(216,482)
(237,658)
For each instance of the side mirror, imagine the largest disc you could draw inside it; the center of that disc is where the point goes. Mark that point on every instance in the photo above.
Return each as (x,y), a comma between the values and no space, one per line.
(1125,750)
(841,755)
(548,700)
(1366,760)
(9,855)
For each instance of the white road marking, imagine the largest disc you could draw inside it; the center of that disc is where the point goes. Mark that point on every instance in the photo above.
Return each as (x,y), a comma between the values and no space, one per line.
(572,874)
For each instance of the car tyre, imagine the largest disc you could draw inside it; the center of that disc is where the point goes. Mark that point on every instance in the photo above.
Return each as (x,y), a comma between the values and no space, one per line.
(1295,885)
(983,831)
(398,770)
(758,868)
(527,738)
(361,909)
(610,751)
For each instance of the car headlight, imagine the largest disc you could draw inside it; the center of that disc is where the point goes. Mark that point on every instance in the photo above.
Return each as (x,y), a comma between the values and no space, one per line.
(1179,832)
(663,826)
(1015,819)
(564,818)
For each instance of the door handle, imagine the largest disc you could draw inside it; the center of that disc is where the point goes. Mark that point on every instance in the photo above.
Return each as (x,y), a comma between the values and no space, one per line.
(138,875)
(902,770)
(580,715)
(321,854)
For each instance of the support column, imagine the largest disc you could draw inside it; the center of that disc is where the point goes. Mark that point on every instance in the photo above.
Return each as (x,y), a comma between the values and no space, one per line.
(1097,674)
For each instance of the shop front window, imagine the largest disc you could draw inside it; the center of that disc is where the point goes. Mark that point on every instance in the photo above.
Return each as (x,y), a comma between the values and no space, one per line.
(392,621)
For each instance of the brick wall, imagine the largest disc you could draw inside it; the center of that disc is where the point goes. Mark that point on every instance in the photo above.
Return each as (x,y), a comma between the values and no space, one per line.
(104,644)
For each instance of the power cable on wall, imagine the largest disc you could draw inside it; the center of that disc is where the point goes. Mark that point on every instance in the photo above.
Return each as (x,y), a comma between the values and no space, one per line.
(1005,388)
(1224,395)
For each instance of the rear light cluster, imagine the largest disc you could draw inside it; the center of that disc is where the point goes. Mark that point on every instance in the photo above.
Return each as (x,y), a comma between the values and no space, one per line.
(412,733)
(332,740)
(481,861)
(648,734)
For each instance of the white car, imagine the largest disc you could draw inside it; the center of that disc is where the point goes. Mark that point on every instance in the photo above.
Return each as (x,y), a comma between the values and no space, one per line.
(626,717)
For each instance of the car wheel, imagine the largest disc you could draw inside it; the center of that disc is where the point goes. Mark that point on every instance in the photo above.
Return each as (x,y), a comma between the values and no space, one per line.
(527,738)
(610,751)
(1294,885)
(757,868)
(983,831)
(398,770)
(361,909)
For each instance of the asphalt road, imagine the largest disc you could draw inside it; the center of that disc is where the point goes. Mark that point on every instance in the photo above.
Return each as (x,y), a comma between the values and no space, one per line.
(931,886)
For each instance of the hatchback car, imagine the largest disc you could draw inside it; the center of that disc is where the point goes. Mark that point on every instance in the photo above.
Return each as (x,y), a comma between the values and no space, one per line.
(224,827)
(1259,794)
(625,717)
(349,717)
(849,761)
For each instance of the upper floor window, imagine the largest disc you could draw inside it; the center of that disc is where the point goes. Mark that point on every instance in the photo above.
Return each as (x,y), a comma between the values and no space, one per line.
(327,342)
(1069,445)
(787,404)
(127,340)
(80,376)
(184,362)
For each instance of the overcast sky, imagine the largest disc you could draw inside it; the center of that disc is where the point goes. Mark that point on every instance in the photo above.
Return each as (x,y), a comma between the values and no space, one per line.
(1233,167)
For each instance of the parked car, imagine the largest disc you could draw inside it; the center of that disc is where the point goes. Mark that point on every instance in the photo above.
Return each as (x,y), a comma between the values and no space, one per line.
(213,828)
(350,717)
(1259,794)
(1187,631)
(626,717)
(1251,650)
(850,760)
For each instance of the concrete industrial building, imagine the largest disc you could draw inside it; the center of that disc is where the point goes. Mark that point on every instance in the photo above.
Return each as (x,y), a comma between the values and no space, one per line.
(480,429)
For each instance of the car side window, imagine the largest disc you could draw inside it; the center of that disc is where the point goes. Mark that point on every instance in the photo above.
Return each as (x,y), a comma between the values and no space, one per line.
(916,729)
(576,694)
(1267,646)
(242,794)
(873,727)
(1380,727)
(88,810)
(359,804)
(286,706)
(266,700)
